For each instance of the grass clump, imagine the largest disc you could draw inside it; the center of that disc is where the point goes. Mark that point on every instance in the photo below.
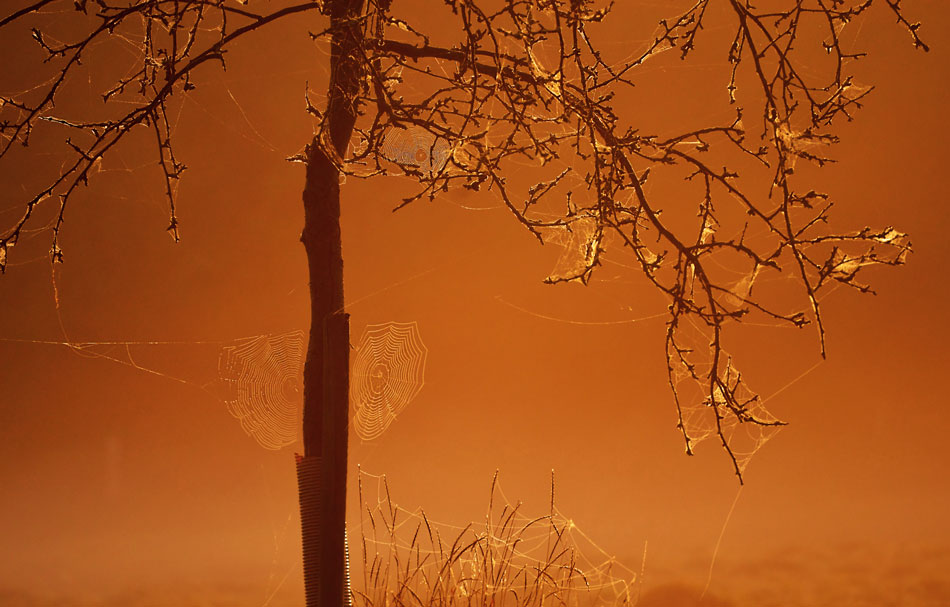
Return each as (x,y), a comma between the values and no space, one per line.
(510,560)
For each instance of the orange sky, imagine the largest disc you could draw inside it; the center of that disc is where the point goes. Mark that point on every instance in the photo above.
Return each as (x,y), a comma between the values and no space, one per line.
(119,480)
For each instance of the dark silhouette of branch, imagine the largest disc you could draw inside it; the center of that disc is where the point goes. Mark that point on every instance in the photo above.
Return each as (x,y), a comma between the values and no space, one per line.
(26,10)
(531,82)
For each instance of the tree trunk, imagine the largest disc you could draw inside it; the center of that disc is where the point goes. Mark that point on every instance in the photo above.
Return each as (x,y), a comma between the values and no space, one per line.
(321,471)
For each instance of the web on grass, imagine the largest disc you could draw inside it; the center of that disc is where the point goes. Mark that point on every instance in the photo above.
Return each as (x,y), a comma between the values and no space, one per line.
(262,377)
(513,558)
(388,372)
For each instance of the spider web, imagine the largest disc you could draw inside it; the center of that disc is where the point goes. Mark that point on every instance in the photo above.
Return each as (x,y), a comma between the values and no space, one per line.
(387,374)
(704,412)
(415,147)
(580,240)
(262,378)
(512,558)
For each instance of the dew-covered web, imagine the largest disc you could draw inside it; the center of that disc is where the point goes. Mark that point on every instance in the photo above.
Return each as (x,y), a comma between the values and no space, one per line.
(259,377)
(262,377)
(416,148)
(388,372)
(713,398)
(512,557)
(580,239)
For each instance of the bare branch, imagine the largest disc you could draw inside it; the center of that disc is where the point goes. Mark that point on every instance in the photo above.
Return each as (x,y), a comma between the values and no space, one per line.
(531,83)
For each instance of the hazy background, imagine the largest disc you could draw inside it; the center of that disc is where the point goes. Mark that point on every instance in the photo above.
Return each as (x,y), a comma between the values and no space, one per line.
(125,486)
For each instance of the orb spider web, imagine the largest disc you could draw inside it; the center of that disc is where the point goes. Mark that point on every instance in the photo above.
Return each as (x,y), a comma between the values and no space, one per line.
(387,374)
(415,147)
(262,377)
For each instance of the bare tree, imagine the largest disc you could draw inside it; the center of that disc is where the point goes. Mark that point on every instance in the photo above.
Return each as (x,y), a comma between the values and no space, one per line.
(504,83)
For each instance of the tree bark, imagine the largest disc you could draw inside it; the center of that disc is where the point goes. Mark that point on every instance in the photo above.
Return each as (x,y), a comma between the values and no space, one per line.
(321,471)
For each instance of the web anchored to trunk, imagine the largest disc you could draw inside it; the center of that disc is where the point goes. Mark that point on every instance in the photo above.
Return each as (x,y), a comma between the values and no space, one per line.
(389,371)
(262,377)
